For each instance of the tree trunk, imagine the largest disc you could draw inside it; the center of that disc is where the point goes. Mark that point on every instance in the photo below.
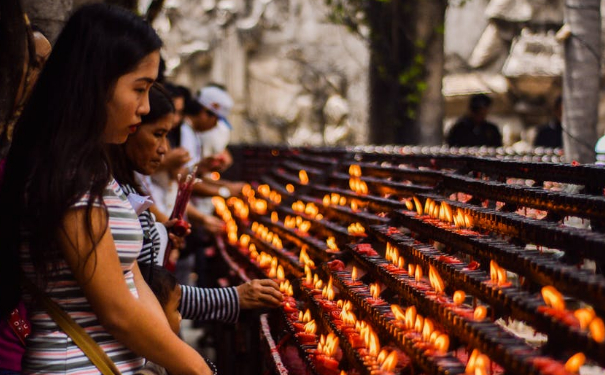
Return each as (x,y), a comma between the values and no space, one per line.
(406,71)
(48,15)
(581,79)
(430,28)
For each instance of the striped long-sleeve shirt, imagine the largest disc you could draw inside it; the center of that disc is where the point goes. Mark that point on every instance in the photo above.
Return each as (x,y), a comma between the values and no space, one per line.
(220,304)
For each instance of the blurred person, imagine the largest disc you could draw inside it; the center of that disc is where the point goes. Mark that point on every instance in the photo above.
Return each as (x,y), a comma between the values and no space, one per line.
(141,155)
(473,129)
(66,226)
(551,133)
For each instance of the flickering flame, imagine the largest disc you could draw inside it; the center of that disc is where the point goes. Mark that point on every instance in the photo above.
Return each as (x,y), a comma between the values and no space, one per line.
(283,286)
(306,316)
(303,177)
(311,327)
(470,365)
(335,198)
(584,316)
(574,363)
(400,262)
(359,186)
(435,280)
(328,291)
(410,317)
(274,217)
(354,273)
(342,201)
(390,362)
(398,312)
(272,272)
(253,252)
(298,206)
(311,209)
(260,206)
(244,240)
(375,290)
(418,206)
(442,343)
(354,206)
(373,344)
(418,273)
(281,275)
(348,318)
(290,188)
(356,229)
(497,274)
(326,200)
(411,269)
(354,170)
(331,345)
(447,209)
(419,324)
(318,284)
(308,277)
(409,204)
(553,298)
(429,204)
(468,221)
(427,329)
(480,313)
(331,243)
(247,190)
(264,190)
(459,297)
(597,330)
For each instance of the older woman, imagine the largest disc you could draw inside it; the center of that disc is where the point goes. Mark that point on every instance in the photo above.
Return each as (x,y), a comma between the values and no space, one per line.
(142,155)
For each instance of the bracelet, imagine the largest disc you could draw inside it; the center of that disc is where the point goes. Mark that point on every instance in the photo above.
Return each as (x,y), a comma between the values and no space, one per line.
(224,192)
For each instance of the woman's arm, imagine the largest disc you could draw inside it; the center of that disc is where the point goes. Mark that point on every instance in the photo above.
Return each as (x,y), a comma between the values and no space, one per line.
(129,319)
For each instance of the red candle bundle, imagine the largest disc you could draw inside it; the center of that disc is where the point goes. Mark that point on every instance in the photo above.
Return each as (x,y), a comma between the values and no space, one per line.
(180,205)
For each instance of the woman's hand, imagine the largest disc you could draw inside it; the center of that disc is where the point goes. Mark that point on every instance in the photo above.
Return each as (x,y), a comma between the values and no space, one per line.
(178,242)
(259,293)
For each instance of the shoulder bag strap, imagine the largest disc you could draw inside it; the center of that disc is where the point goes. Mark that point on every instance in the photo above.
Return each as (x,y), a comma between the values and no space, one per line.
(79,336)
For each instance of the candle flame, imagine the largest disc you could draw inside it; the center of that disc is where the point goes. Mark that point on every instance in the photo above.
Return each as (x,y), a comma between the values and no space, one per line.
(331,345)
(274,217)
(410,317)
(373,344)
(411,269)
(419,324)
(298,206)
(331,243)
(355,170)
(409,204)
(447,212)
(354,274)
(470,365)
(311,209)
(306,316)
(304,226)
(303,177)
(442,343)
(356,229)
(436,280)
(310,327)
(574,363)
(354,206)
(400,262)
(480,313)
(597,330)
(459,297)
(427,329)
(264,190)
(326,200)
(244,240)
(584,316)
(342,201)
(418,206)
(497,274)
(290,188)
(398,312)
(375,290)
(553,298)
(418,273)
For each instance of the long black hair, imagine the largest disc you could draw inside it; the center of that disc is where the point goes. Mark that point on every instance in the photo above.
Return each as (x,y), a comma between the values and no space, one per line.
(160,105)
(58,153)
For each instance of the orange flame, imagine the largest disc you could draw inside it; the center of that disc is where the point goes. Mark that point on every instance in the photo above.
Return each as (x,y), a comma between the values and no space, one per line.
(459,297)
(354,206)
(244,240)
(298,206)
(311,327)
(306,316)
(304,226)
(331,243)
(331,345)
(281,275)
(354,273)
(480,313)
(355,170)
(410,317)
(373,344)
(427,329)
(584,316)
(574,363)
(398,312)
(597,330)
(264,190)
(442,343)
(418,273)
(409,204)
(311,209)
(470,365)
(497,274)
(356,229)
(342,201)
(274,217)
(326,200)
(390,362)
(290,188)
(553,298)
(375,290)
(435,280)
(418,206)
(419,324)
(303,177)
(411,269)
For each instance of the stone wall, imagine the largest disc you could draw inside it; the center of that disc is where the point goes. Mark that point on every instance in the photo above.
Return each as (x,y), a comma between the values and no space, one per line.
(295,77)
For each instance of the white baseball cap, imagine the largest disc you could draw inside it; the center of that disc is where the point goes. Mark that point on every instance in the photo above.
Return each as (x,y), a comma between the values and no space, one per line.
(217,101)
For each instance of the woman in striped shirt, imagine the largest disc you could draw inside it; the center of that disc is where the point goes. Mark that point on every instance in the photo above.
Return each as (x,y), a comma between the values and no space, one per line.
(140,156)
(65,223)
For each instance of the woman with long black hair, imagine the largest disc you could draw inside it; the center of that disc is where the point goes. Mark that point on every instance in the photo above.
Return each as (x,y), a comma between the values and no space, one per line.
(65,224)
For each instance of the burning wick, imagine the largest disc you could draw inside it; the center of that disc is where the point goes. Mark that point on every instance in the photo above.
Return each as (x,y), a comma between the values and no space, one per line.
(290,188)
(597,330)
(584,316)
(553,298)
(354,274)
(303,177)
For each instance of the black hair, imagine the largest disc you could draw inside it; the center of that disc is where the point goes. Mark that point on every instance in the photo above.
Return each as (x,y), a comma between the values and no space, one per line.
(161,281)
(160,105)
(479,101)
(58,153)
(177,91)
(192,107)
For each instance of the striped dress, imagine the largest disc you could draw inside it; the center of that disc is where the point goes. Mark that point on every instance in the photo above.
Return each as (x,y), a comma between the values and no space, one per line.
(49,349)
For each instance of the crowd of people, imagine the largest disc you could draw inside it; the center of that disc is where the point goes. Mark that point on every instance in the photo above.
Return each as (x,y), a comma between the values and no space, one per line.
(87,190)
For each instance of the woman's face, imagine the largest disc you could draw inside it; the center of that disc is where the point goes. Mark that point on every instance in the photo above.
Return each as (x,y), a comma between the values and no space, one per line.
(147,146)
(130,100)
